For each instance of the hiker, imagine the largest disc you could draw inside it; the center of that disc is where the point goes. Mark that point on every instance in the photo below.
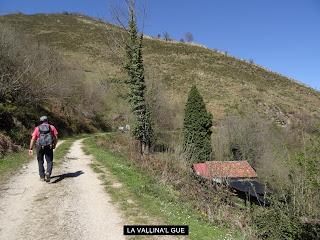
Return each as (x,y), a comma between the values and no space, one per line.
(45,136)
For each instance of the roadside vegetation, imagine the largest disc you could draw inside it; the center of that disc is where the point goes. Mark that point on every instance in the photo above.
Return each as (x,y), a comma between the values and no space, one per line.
(154,197)
(12,162)
(166,175)
(63,148)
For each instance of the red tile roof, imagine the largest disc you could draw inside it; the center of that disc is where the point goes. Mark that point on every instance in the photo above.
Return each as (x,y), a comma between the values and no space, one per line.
(225,169)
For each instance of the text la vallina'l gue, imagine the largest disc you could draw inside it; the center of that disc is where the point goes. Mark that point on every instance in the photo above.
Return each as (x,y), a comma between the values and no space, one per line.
(156,230)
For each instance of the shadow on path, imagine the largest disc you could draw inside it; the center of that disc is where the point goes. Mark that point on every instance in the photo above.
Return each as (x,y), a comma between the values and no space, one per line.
(66,175)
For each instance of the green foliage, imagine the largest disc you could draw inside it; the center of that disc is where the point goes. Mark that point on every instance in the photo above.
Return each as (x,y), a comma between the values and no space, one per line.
(142,129)
(309,167)
(197,128)
(295,207)
(277,222)
(310,161)
(305,180)
(62,150)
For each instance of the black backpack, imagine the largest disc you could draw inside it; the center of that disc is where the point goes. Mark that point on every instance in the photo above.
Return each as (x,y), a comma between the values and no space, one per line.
(45,138)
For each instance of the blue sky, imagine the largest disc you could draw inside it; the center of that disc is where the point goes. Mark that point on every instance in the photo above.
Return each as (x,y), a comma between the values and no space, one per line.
(282,35)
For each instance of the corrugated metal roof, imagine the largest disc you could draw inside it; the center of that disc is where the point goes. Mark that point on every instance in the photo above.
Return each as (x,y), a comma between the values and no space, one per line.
(224,169)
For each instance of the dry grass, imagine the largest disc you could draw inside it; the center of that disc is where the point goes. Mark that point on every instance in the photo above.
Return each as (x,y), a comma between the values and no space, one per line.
(227,84)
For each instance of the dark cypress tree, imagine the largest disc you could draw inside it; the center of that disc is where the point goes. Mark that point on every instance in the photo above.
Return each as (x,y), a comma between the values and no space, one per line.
(197,128)
(142,127)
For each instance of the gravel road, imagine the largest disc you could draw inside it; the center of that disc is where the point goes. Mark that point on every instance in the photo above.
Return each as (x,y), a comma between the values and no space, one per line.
(73,206)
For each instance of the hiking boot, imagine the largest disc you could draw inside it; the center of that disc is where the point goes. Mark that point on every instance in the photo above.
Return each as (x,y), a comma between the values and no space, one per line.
(47,177)
(42,179)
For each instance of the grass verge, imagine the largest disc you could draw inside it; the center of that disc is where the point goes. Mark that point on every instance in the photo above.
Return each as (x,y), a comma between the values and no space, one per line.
(151,196)
(62,150)
(13,161)
(64,147)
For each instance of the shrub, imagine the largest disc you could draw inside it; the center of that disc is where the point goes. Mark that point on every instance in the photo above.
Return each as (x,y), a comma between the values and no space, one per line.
(197,128)
(277,222)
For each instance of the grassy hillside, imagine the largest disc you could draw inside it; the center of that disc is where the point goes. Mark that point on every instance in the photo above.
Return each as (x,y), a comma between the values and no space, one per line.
(227,84)
(36,80)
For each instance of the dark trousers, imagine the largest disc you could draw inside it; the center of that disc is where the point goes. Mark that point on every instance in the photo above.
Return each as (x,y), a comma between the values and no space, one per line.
(46,152)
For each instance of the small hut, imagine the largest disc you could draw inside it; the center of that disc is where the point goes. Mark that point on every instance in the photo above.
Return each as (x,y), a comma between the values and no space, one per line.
(239,176)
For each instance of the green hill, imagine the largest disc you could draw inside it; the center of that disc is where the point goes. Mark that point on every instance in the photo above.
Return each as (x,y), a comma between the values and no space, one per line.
(229,85)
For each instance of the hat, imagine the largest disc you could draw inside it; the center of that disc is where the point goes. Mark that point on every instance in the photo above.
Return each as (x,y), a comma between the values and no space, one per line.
(43,118)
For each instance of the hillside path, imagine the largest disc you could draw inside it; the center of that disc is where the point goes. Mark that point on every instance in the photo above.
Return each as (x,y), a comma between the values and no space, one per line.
(73,206)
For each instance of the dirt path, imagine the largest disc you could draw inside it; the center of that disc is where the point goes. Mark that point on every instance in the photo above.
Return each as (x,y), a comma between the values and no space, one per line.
(73,206)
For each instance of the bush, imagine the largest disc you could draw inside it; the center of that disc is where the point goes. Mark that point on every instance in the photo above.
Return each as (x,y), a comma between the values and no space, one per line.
(6,145)
(277,222)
